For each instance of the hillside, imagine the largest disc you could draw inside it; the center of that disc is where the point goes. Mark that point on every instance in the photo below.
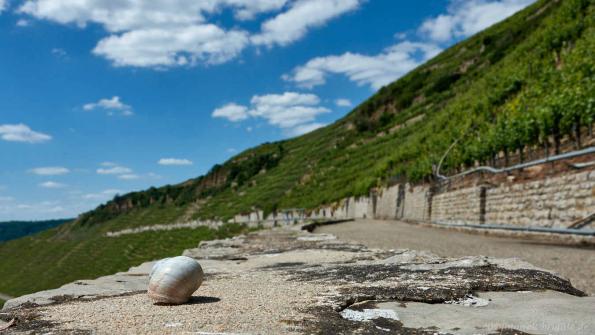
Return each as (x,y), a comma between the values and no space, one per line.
(521,86)
(11,230)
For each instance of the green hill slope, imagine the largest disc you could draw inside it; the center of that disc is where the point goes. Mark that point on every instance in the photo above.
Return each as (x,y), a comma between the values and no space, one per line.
(525,82)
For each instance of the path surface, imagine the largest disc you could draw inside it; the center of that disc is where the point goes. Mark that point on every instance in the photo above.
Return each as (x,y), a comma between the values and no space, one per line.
(287,281)
(574,263)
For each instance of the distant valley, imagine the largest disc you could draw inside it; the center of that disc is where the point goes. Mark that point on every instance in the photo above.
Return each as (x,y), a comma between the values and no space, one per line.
(11,230)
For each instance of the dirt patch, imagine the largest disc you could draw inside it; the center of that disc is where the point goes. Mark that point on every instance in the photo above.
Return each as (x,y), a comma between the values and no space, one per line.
(329,321)
(27,319)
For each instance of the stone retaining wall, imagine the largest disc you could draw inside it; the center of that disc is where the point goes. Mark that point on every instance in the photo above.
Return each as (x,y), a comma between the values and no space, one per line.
(386,202)
(416,205)
(554,201)
(551,202)
(457,207)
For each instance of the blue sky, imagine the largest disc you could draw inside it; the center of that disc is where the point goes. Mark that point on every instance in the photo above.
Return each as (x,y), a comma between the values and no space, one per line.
(99,97)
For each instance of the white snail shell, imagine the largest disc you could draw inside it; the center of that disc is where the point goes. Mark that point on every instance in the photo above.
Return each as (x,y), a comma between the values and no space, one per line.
(173,280)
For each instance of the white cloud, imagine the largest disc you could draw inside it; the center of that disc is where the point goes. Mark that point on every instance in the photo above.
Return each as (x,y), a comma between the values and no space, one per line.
(6,199)
(231,112)
(22,133)
(110,105)
(293,24)
(248,9)
(3,5)
(128,176)
(376,70)
(117,16)
(114,170)
(174,161)
(286,111)
(465,18)
(286,99)
(157,33)
(51,184)
(166,33)
(50,171)
(127,15)
(343,103)
(177,46)
(122,172)
(304,129)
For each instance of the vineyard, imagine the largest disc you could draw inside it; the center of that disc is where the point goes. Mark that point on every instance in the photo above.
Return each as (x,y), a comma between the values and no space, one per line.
(538,96)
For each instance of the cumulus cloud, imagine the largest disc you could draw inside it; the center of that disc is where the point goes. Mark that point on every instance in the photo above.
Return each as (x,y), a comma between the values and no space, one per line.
(232,112)
(248,9)
(159,33)
(114,170)
(288,111)
(465,18)
(374,70)
(165,33)
(50,171)
(174,161)
(111,106)
(52,184)
(22,133)
(178,46)
(293,24)
(120,172)
(119,16)
(343,103)
(128,15)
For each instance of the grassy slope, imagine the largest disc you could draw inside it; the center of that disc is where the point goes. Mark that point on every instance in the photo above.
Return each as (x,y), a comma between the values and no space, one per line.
(499,90)
(68,253)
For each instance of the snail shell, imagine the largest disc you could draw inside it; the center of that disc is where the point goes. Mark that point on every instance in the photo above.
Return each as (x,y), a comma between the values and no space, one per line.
(173,280)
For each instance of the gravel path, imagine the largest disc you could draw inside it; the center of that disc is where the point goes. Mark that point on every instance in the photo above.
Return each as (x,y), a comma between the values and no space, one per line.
(575,263)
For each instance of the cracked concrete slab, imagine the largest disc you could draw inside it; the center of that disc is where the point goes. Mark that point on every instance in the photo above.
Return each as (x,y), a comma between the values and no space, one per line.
(546,312)
(287,281)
